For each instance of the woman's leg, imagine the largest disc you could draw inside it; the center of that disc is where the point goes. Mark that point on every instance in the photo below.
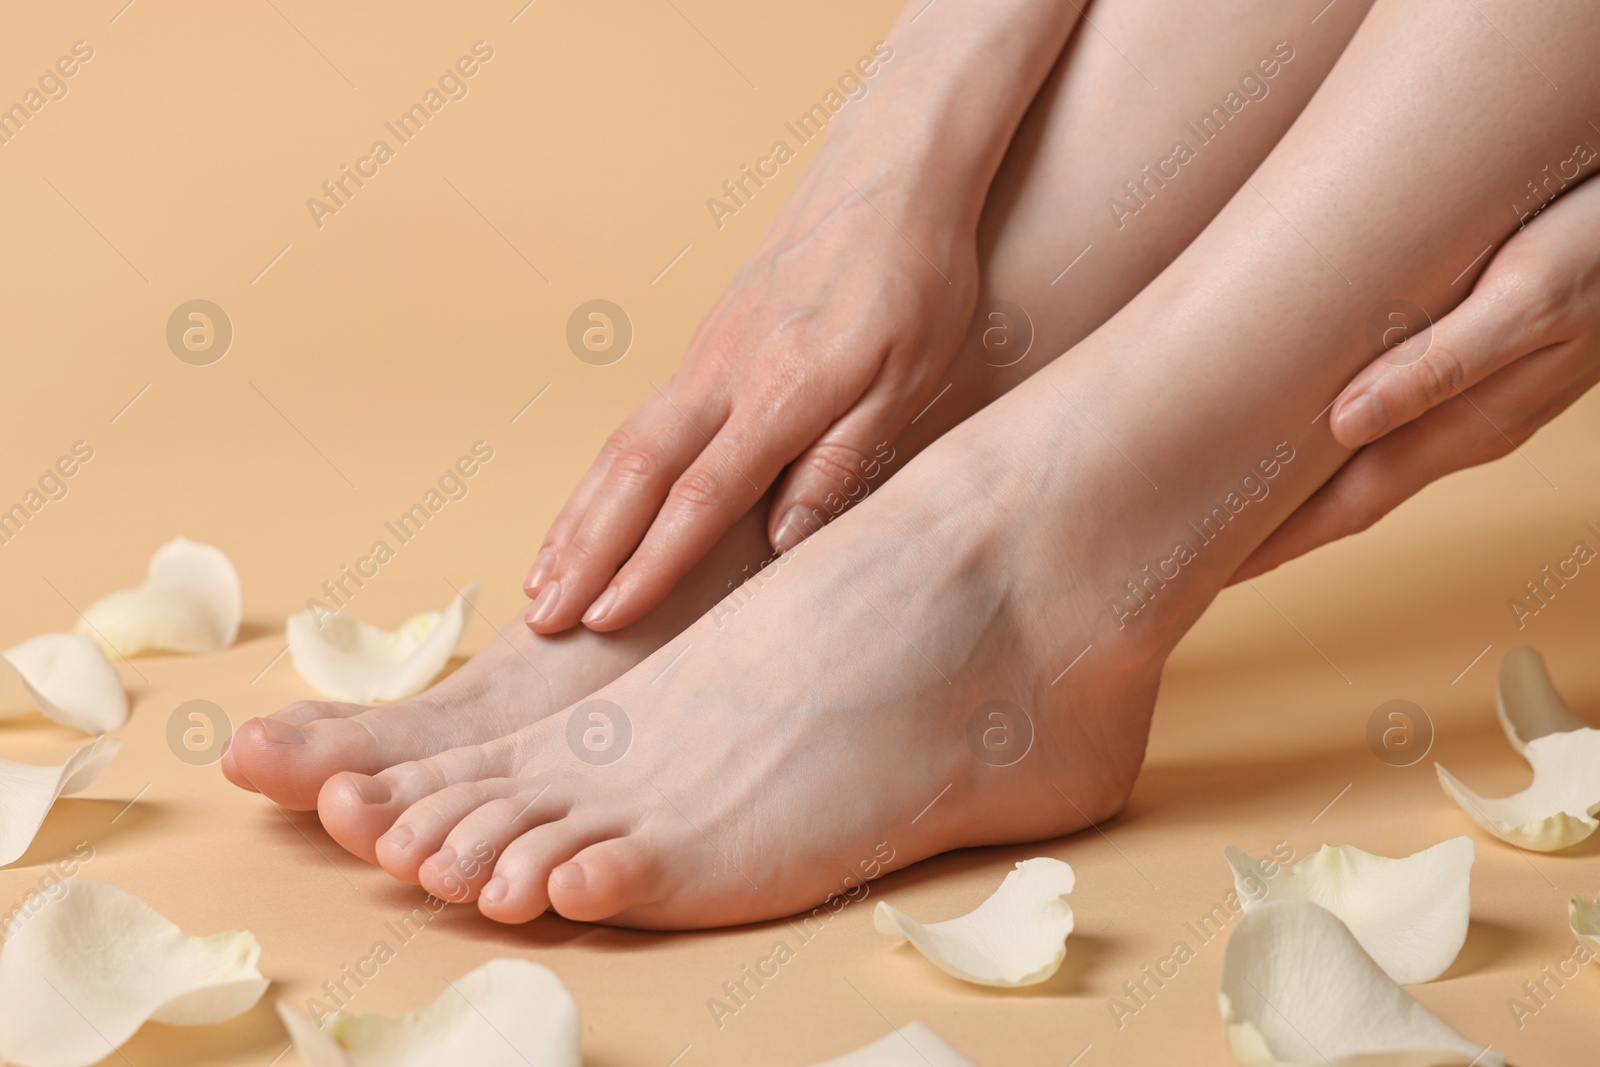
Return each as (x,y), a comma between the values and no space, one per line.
(972,656)
(1098,123)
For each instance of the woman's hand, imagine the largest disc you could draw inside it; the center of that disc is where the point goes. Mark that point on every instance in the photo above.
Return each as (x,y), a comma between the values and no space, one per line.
(833,336)
(1523,346)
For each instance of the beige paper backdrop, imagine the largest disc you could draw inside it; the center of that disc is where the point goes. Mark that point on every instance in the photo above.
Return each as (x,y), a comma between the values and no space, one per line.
(428,313)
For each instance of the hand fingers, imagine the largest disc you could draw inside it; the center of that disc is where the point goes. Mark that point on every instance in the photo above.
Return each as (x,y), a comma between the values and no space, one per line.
(1499,322)
(613,507)
(1483,424)
(730,476)
(837,470)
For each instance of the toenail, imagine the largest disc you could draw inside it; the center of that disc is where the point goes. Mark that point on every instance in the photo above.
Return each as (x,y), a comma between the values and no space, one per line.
(601,608)
(569,876)
(495,891)
(543,564)
(399,837)
(443,860)
(282,733)
(544,607)
(374,791)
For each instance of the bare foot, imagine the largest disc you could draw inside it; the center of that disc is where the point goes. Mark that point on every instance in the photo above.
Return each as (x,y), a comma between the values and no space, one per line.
(517,679)
(856,709)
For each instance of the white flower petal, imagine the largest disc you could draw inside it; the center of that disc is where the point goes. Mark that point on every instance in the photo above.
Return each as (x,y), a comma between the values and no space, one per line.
(68,678)
(1558,809)
(913,1045)
(1017,937)
(28,791)
(507,1013)
(190,602)
(1410,915)
(1298,991)
(348,659)
(82,973)
(1527,701)
(1583,915)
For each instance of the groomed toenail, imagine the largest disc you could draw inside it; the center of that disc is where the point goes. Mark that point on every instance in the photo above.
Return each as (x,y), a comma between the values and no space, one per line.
(569,876)
(495,891)
(544,607)
(602,607)
(282,733)
(399,837)
(374,791)
(543,564)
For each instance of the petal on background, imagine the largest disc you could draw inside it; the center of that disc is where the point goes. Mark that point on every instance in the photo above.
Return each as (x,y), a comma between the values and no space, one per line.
(912,1045)
(1017,937)
(28,792)
(68,678)
(190,602)
(1299,991)
(347,659)
(1410,915)
(507,1013)
(1557,810)
(81,974)
(1527,701)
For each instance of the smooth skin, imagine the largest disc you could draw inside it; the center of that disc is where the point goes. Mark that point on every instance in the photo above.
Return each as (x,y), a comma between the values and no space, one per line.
(770,754)
(1048,200)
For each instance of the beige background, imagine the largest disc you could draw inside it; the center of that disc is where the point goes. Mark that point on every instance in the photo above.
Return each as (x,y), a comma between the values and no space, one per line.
(426,315)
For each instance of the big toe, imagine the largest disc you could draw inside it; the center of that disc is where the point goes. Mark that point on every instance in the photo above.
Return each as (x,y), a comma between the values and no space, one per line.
(287,756)
(607,879)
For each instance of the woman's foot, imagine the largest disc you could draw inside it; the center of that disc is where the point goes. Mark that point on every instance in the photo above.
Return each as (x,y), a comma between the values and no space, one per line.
(517,679)
(894,689)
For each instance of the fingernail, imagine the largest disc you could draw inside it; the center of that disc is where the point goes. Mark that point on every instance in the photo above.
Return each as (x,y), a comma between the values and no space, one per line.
(793,529)
(495,891)
(545,606)
(601,607)
(569,876)
(1363,419)
(282,733)
(543,564)
(374,791)
(399,837)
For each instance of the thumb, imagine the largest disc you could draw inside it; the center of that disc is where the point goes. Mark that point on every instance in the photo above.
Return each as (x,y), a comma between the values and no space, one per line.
(838,470)
(1492,328)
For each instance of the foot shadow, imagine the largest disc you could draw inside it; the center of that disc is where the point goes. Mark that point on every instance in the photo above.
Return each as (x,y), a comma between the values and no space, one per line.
(75,820)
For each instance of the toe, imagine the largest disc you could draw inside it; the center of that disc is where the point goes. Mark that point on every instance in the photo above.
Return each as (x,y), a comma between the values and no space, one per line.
(461,867)
(356,808)
(281,755)
(517,892)
(607,878)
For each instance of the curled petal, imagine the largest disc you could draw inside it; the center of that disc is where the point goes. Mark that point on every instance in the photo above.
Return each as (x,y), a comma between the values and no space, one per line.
(1410,915)
(1558,809)
(82,973)
(347,659)
(28,792)
(1299,991)
(190,602)
(68,678)
(1527,701)
(1015,938)
(507,1013)
(912,1045)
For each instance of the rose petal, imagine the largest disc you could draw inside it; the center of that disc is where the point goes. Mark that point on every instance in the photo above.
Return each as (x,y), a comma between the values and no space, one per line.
(348,659)
(29,791)
(190,602)
(507,1013)
(1558,809)
(68,678)
(1298,991)
(912,1045)
(1017,937)
(82,973)
(1410,915)
(1527,701)
(1583,915)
